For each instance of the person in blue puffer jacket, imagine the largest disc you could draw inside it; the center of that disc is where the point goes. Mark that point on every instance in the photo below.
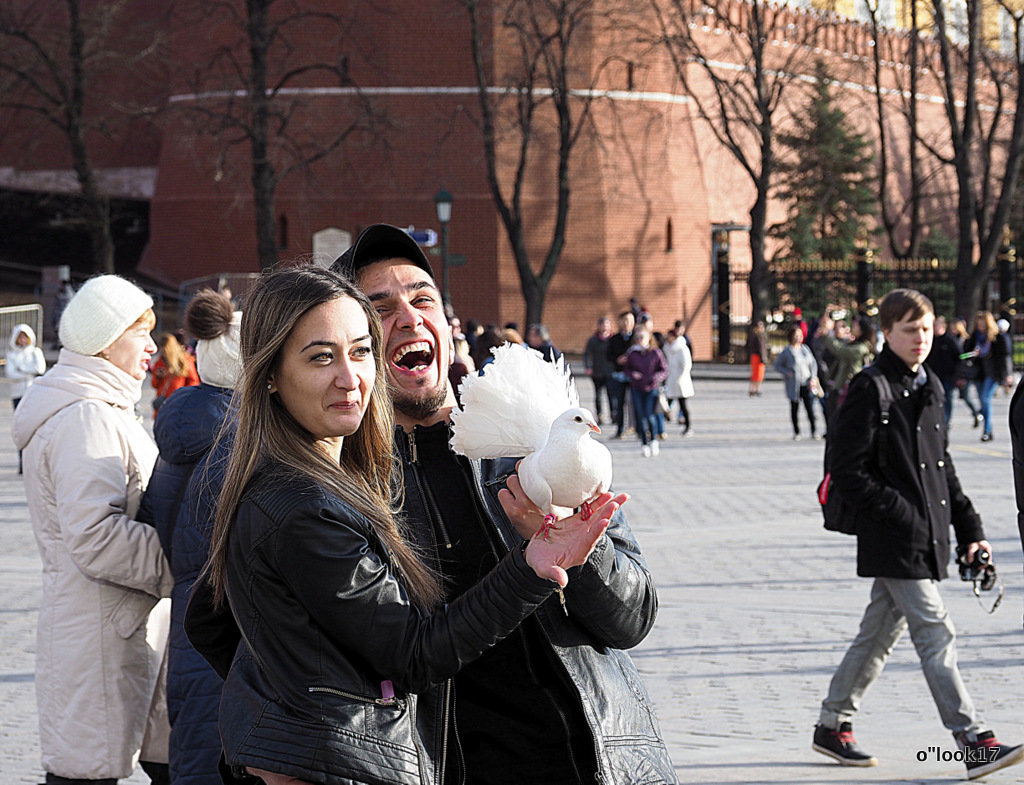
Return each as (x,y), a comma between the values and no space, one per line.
(182,512)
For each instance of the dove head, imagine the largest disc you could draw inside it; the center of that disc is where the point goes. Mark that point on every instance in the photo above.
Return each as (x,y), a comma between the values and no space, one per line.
(576,420)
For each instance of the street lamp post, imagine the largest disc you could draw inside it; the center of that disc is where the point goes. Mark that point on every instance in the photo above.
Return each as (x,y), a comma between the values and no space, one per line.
(443,201)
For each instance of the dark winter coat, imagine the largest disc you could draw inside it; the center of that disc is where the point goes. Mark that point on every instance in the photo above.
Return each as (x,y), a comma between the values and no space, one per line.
(907,493)
(595,357)
(618,345)
(944,357)
(996,363)
(185,430)
(646,369)
(1017,446)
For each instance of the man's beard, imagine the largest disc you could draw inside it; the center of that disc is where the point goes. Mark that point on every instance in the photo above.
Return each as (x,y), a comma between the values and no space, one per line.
(421,405)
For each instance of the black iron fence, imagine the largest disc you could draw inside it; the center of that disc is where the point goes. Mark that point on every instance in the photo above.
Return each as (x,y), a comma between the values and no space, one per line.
(855,285)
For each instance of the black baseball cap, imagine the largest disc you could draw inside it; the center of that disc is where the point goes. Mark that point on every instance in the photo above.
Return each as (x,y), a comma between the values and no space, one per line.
(376,243)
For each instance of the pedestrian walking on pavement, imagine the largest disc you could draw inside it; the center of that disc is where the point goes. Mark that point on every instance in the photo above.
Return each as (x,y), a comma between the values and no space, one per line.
(645,368)
(944,359)
(102,629)
(757,351)
(599,368)
(618,385)
(990,350)
(678,379)
(966,372)
(24,362)
(848,359)
(899,477)
(799,370)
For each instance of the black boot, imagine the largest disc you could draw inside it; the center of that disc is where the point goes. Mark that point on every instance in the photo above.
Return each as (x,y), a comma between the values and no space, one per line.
(159,773)
(840,745)
(53,779)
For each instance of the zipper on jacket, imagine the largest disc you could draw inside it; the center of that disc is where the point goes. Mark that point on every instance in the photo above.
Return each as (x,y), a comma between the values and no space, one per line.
(558,709)
(575,690)
(392,701)
(413,455)
(424,488)
(419,755)
(556,661)
(446,722)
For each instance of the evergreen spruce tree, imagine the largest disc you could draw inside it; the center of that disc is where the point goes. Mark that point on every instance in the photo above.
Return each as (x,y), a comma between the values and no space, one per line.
(825,176)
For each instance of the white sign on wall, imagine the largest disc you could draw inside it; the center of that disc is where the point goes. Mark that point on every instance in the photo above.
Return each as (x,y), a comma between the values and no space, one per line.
(329,244)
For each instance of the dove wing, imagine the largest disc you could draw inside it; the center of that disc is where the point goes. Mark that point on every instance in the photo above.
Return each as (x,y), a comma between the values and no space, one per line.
(533,481)
(507,411)
(573,469)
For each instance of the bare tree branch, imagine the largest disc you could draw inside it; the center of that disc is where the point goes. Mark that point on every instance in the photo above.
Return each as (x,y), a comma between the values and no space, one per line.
(244,96)
(986,155)
(50,56)
(749,77)
(539,103)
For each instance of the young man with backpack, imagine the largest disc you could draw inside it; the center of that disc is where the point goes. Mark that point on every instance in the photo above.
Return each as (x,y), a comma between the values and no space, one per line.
(905,495)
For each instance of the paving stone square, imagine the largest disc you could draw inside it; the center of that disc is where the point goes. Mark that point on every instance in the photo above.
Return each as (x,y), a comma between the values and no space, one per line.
(757,602)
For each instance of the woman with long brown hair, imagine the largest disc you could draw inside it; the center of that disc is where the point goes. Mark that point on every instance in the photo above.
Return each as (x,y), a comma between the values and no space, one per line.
(345,639)
(992,357)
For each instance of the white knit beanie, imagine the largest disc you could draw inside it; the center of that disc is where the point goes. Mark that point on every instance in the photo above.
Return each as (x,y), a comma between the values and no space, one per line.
(99,312)
(219,359)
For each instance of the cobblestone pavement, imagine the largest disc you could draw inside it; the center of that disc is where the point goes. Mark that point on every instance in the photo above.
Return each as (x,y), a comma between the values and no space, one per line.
(758,603)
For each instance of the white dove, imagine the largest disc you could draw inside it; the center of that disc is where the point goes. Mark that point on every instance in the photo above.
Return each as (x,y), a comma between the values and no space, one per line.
(524,406)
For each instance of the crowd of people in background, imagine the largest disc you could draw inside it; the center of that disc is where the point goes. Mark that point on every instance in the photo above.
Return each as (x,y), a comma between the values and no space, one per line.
(149,584)
(640,376)
(820,358)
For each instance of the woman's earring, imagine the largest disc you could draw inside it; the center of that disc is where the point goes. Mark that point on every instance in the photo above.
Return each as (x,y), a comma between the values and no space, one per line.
(270,386)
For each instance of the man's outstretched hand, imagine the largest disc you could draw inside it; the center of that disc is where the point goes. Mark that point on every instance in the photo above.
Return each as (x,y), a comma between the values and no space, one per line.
(526,516)
(568,542)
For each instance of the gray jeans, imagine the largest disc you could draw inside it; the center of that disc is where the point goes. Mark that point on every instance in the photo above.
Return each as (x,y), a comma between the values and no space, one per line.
(897,604)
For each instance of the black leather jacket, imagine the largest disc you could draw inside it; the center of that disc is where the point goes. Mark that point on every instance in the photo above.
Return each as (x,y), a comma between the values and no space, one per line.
(610,605)
(326,624)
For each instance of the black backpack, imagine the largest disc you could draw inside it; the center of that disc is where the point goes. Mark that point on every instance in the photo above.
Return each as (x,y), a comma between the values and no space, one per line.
(839,514)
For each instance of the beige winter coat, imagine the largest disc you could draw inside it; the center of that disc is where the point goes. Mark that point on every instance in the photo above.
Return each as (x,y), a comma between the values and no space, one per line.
(102,630)
(678,380)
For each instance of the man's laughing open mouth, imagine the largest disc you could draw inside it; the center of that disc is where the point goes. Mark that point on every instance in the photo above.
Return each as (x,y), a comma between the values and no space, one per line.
(413,357)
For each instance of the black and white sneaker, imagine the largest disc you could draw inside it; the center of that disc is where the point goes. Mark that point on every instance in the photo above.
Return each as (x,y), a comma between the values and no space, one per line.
(985,754)
(841,746)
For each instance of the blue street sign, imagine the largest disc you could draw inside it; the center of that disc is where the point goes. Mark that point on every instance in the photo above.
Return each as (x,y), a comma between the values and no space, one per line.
(425,237)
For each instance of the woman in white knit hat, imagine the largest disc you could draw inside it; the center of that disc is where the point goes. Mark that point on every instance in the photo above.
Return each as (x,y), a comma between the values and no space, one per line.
(25,362)
(102,625)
